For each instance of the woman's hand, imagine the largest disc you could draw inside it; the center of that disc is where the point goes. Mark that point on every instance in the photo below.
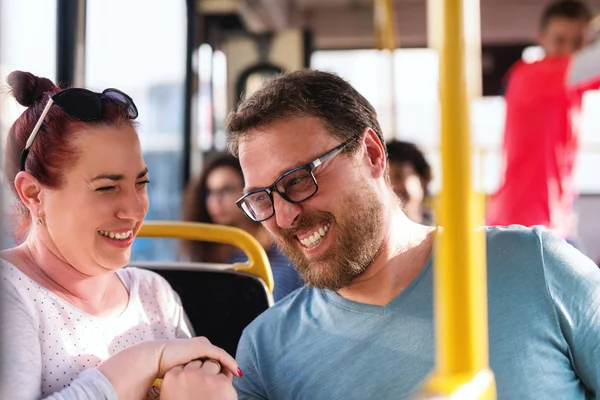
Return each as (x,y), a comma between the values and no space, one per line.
(198,380)
(182,351)
(132,370)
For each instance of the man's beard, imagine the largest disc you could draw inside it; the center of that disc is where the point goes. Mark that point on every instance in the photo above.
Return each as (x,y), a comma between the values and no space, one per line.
(357,228)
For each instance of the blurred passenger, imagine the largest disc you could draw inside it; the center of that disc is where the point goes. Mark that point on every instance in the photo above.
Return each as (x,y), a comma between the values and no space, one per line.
(76,324)
(543,100)
(410,175)
(210,197)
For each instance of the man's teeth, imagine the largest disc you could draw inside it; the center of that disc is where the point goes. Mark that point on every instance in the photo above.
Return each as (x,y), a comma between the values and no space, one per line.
(116,235)
(315,238)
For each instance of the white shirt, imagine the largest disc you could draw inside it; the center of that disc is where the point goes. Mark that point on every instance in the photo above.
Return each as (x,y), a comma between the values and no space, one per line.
(48,342)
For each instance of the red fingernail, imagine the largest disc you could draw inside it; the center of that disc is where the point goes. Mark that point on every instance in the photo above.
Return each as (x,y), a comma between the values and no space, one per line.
(240,373)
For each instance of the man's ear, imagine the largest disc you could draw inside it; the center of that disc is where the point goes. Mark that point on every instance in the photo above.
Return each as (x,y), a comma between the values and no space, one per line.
(375,153)
(30,191)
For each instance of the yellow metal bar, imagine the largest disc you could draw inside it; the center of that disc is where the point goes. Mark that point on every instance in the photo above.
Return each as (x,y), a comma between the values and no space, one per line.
(472,37)
(460,286)
(384,24)
(258,262)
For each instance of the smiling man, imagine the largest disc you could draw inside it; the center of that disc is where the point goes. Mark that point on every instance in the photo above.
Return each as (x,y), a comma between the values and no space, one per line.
(315,170)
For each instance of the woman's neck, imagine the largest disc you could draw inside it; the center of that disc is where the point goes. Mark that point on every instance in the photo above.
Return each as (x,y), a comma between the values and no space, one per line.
(94,294)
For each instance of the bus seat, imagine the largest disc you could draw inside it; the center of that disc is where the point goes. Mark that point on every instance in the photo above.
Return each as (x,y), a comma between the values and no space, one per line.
(219,303)
(220,300)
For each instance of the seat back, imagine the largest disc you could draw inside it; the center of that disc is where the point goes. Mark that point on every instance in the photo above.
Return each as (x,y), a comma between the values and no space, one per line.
(220,300)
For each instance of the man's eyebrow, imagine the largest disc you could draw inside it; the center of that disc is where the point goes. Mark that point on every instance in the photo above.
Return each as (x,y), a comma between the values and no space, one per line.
(251,188)
(246,190)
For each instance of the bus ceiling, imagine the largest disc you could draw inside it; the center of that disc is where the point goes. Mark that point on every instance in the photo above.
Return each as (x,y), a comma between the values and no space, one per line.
(349,24)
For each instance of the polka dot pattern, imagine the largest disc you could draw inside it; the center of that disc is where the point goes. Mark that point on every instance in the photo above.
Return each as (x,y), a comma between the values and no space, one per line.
(72,341)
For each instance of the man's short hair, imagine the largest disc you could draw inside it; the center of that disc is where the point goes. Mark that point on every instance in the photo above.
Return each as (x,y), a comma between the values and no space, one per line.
(569,9)
(345,113)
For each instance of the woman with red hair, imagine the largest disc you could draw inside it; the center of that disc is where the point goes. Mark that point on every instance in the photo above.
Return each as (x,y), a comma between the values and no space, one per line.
(77,324)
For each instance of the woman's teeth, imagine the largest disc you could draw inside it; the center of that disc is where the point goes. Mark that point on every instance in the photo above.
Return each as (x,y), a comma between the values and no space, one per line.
(116,235)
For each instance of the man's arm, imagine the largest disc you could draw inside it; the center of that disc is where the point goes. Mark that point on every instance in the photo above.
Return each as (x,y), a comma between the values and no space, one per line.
(574,284)
(250,386)
(585,67)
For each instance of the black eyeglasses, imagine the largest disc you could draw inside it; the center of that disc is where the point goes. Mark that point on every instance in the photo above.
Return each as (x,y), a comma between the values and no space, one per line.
(83,105)
(295,186)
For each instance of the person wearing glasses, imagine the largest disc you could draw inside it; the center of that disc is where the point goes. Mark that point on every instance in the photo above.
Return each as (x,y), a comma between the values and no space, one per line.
(210,198)
(75,323)
(315,168)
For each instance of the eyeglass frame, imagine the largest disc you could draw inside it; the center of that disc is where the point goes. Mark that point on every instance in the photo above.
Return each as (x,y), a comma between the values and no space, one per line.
(54,100)
(309,167)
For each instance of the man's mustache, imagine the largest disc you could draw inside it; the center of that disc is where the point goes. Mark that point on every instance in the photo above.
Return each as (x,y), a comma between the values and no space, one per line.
(307,221)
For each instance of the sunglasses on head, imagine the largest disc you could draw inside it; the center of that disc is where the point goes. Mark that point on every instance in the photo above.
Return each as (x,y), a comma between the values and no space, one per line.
(83,105)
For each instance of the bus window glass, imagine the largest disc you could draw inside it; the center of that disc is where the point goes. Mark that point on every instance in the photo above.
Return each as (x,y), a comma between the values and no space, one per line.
(26,50)
(139,47)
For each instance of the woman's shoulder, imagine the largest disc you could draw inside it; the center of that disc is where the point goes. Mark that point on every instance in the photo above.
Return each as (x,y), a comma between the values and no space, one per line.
(19,293)
(13,277)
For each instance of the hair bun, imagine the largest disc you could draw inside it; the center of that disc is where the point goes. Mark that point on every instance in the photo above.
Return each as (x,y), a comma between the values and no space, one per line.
(27,88)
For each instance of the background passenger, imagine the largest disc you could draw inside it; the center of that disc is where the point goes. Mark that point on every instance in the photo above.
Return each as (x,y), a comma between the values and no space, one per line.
(210,197)
(410,175)
(541,133)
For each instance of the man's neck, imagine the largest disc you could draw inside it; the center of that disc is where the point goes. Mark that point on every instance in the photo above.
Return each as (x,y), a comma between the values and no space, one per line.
(404,253)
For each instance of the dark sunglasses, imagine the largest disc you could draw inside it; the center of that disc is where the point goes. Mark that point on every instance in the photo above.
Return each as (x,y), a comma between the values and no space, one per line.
(83,105)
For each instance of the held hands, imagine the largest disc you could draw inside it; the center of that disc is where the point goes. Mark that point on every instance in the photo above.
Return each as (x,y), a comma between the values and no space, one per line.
(132,370)
(198,380)
(181,351)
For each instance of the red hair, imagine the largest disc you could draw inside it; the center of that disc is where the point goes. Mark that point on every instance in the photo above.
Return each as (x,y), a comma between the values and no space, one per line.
(53,151)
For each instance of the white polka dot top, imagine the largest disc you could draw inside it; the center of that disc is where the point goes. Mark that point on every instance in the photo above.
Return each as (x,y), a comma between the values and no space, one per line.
(70,341)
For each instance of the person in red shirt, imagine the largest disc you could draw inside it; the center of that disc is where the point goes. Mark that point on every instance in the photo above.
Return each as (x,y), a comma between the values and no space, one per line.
(543,102)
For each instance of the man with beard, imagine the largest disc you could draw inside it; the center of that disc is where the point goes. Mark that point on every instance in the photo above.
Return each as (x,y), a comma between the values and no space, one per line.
(315,169)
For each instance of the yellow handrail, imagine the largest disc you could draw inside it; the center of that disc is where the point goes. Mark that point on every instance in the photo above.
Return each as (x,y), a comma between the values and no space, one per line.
(258,262)
(383,24)
(460,286)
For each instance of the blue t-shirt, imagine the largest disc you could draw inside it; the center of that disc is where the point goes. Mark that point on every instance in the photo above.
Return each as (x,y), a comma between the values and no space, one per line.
(544,332)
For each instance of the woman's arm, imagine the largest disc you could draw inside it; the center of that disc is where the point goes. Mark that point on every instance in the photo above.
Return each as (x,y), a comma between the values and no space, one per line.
(585,67)
(127,374)
(21,373)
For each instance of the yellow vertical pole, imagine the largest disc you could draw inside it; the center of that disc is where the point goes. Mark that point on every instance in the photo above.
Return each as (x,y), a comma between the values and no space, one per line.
(384,24)
(385,39)
(460,286)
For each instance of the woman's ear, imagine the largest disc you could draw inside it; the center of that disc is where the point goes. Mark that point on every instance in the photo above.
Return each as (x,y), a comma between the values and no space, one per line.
(30,191)
(375,153)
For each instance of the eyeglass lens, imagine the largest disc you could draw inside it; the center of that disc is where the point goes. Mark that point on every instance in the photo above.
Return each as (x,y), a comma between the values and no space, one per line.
(297,186)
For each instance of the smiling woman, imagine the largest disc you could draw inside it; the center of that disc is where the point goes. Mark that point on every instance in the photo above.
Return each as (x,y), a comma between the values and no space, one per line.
(79,324)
